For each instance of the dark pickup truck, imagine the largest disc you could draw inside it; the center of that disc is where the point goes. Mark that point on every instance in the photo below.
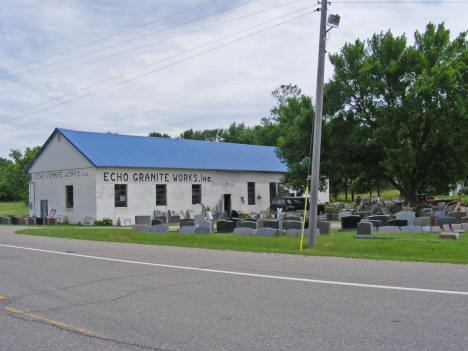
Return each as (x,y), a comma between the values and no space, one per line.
(291,204)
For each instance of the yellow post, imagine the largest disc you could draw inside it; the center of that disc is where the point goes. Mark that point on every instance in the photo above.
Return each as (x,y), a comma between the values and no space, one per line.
(303,221)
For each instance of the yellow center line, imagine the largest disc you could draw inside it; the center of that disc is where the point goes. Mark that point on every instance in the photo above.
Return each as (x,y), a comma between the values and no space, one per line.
(57,323)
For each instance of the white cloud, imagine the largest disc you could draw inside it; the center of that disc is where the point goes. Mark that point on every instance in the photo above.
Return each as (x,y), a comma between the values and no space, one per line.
(232,84)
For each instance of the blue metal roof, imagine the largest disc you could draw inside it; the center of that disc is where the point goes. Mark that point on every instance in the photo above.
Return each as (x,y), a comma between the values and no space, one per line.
(114,150)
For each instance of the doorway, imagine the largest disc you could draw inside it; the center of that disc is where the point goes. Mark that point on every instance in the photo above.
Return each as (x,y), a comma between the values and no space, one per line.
(227,203)
(44,208)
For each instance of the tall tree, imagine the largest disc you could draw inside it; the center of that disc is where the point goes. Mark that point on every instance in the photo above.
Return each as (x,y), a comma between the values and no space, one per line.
(13,178)
(411,104)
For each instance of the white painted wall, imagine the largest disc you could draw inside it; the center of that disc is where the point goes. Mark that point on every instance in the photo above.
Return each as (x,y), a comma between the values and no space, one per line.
(142,194)
(61,164)
(59,154)
(50,186)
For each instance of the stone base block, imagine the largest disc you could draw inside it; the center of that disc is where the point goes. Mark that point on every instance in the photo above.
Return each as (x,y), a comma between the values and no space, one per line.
(449,235)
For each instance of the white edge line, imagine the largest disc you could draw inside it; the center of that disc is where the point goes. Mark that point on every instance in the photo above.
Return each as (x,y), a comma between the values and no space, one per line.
(255,275)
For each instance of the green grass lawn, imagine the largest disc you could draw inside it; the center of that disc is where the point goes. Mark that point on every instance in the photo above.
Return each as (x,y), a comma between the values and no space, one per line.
(411,247)
(15,208)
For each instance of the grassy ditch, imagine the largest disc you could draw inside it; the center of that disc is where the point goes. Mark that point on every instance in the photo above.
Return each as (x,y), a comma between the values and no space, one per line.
(403,246)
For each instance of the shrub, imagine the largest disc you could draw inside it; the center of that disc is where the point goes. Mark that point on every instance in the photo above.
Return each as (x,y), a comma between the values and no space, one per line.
(104,221)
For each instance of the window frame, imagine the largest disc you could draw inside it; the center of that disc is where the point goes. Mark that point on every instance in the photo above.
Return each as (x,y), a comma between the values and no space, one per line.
(164,188)
(251,193)
(69,200)
(194,194)
(120,203)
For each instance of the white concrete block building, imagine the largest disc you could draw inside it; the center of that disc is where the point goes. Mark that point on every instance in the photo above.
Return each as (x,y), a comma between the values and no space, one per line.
(81,174)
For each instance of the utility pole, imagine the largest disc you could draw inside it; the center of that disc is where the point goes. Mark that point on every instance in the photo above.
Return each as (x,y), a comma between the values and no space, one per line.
(314,178)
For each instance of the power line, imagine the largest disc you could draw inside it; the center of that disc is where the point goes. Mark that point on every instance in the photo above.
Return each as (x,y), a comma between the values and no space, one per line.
(128,40)
(175,62)
(81,64)
(117,34)
(171,56)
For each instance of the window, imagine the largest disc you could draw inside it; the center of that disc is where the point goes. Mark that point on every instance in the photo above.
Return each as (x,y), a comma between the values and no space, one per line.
(120,195)
(251,193)
(69,196)
(272,191)
(161,195)
(196,194)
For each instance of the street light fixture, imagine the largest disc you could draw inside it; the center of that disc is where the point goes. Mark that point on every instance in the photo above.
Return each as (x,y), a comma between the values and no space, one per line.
(334,21)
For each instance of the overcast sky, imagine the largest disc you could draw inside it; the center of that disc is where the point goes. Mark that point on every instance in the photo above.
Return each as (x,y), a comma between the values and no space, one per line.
(132,67)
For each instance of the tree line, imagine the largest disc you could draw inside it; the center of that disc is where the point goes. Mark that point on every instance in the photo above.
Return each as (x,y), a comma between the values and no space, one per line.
(395,115)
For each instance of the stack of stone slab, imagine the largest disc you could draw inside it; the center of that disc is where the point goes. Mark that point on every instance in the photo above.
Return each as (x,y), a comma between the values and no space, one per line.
(246,224)
(449,235)
(225,226)
(204,227)
(349,223)
(5,220)
(292,218)
(406,215)
(324,228)
(50,220)
(378,220)
(174,219)
(364,230)
(397,223)
(198,218)
(14,220)
(389,229)
(270,224)
(244,231)
(457,215)
(203,230)
(143,220)
(187,222)
(440,221)
(187,229)
(292,224)
(159,228)
(422,221)
(266,232)
(426,229)
(411,229)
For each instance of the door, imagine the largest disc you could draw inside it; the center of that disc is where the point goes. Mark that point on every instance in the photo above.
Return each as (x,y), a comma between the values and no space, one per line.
(227,204)
(44,208)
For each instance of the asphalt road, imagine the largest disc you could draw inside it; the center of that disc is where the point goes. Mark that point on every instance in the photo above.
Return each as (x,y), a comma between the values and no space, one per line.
(165,298)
